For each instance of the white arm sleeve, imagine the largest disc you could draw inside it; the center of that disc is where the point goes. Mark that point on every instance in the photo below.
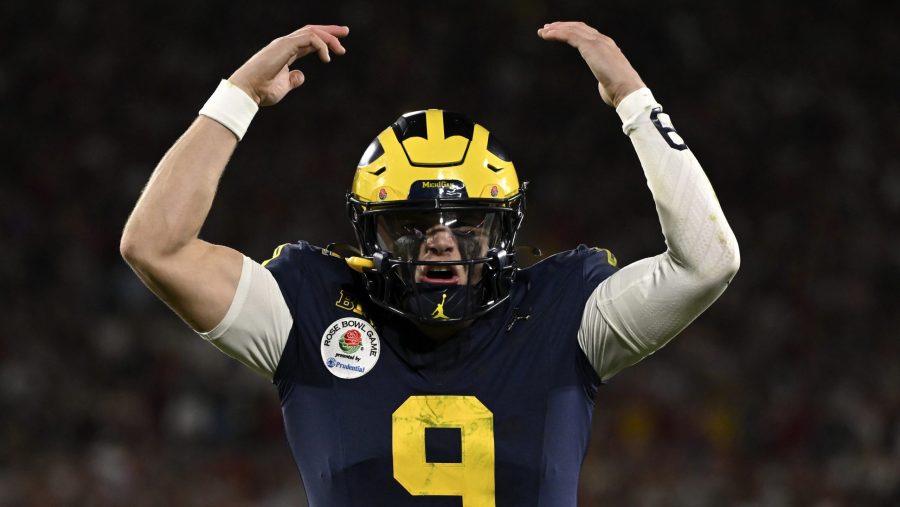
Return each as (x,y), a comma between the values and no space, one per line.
(640,308)
(255,329)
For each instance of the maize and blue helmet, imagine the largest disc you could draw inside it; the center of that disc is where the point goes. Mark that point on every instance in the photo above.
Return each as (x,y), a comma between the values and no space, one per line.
(436,205)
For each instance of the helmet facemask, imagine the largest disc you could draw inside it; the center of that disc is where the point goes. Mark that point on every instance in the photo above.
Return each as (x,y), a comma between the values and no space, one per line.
(439,263)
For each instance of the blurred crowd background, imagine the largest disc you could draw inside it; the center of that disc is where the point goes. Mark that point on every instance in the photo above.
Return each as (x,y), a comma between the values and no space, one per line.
(786,392)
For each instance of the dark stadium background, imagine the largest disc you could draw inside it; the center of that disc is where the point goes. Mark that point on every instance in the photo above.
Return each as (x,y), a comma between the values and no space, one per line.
(786,392)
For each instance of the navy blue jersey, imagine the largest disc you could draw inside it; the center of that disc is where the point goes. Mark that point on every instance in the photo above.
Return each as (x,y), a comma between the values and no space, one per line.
(377,414)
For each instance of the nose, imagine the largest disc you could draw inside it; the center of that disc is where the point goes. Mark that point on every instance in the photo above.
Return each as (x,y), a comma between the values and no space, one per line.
(440,241)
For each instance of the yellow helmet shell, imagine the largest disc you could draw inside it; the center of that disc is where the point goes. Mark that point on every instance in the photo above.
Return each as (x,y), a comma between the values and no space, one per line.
(434,153)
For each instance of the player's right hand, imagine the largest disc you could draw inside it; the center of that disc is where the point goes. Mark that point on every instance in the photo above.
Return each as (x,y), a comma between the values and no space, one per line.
(266,76)
(616,77)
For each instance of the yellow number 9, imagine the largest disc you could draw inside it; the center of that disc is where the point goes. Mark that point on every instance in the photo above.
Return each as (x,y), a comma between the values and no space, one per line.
(473,478)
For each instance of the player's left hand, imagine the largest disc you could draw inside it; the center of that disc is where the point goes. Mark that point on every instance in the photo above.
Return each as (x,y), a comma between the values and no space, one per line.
(616,77)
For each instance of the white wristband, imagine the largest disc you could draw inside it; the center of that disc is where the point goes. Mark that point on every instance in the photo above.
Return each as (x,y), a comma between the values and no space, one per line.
(232,107)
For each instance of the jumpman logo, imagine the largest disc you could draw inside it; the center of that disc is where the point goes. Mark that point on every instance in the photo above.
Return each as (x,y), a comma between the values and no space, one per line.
(438,312)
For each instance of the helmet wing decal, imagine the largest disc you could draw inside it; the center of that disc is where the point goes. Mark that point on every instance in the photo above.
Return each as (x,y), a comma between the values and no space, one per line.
(435,149)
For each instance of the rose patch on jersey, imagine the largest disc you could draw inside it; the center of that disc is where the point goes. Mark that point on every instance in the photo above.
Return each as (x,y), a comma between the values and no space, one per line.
(350,348)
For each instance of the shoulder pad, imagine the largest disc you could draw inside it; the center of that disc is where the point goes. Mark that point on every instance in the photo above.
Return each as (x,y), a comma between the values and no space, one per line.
(581,251)
(275,254)
(287,251)
(610,258)
(341,250)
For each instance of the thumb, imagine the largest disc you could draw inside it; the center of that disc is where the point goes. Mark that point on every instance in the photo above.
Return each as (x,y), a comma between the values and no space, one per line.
(296,78)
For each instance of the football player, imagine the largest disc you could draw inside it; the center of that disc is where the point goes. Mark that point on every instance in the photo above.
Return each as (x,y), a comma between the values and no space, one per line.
(427,368)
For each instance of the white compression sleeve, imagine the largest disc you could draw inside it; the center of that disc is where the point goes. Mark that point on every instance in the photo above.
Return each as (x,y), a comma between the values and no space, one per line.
(640,308)
(255,329)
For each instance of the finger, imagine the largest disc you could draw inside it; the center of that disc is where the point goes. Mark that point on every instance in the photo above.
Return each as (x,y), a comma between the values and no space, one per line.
(336,30)
(575,30)
(303,44)
(300,45)
(560,35)
(296,78)
(576,27)
(573,25)
(574,36)
(320,47)
(332,41)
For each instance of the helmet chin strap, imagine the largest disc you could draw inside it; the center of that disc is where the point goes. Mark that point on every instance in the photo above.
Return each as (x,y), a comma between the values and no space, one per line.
(439,304)
(376,262)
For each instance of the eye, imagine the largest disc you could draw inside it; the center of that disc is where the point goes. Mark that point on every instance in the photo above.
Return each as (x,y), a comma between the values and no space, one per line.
(469,225)
(413,229)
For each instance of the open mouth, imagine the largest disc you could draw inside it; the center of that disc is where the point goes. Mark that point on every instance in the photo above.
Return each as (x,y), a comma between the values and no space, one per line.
(438,275)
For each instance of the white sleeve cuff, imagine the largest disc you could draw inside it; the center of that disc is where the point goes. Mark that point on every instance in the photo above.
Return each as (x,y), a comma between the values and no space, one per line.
(232,107)
(633,106)
(237,304)
(256,327)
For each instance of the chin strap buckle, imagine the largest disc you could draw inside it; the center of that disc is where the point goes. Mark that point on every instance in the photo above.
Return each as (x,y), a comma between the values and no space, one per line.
(500,258)
(378,262)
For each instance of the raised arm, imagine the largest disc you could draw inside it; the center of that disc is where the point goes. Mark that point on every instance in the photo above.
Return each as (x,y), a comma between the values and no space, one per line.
(641,307)
(160,242)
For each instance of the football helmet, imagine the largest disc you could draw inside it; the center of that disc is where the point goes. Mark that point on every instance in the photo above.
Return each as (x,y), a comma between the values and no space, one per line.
(436,206)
